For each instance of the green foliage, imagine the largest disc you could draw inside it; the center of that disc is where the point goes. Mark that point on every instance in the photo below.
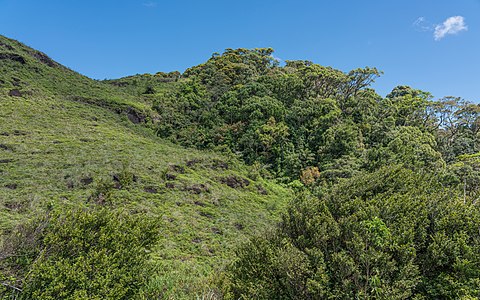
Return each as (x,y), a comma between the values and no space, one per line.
(409,146)
(91,254)
(329,119)
(275,270)
(70,141)
(367,230)
(388,235)
(244,90)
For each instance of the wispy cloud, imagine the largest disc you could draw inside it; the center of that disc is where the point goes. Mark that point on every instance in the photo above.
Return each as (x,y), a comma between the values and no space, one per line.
(421,24)
(150,4)
(452,25)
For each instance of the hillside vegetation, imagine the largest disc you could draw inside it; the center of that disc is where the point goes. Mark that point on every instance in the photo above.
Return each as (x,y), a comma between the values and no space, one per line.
(70,145)
(370,197)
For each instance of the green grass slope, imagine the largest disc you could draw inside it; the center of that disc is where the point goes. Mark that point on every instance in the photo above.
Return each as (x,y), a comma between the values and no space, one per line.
(28,72)
(67,140)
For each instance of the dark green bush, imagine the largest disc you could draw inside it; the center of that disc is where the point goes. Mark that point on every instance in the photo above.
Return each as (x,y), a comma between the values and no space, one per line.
(90,253)
(389,235)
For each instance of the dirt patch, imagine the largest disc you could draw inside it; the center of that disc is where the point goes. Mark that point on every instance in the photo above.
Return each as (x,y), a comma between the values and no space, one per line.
(13,57)
(199,203)
(177,169)
(239,226)
(116,182)
(235,182)
(70,184)
(123,180)
(198,188)
(216,230)
(219,164)
(193,162)
(170,185)
(116,178)
(6,147)
(14,206)
(206,214)
(16,81)
(11,186)
(150,190)
(170,176)
(135,117)
(6,46)
(6,161)
(43,58)
(261,190)
(15,93)
(19,133)
(86,180)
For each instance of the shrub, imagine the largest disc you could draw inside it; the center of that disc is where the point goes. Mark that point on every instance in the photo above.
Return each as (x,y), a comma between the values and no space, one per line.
(392,234)
(91,253)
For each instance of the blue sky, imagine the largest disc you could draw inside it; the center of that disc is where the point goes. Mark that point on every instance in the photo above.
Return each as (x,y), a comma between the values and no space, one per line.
(413,41)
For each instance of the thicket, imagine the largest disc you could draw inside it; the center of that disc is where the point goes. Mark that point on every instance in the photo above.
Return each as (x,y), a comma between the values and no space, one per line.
(302,115)
(78,253)
(391,234)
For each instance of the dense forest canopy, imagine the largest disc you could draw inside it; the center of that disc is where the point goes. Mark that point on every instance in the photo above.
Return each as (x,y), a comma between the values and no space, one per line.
(301,115)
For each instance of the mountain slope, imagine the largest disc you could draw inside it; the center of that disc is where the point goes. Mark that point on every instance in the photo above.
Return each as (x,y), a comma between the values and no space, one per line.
(26,71)
(68,141)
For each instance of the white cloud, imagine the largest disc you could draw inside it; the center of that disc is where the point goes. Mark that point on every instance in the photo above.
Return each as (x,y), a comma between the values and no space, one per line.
(452,25)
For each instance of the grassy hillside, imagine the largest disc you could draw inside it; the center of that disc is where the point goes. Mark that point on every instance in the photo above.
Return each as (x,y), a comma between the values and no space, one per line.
(28,72)
(69,141)
(94,204)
